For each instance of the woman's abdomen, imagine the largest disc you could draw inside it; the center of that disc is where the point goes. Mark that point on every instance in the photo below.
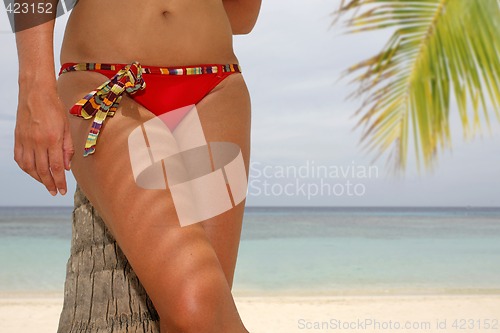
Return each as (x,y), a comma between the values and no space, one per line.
(155,33)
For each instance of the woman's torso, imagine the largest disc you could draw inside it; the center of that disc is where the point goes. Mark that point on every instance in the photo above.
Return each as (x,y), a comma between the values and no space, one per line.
(154,32)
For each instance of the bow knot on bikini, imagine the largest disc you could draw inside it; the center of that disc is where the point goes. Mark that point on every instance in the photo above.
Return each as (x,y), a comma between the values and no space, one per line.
(104,101)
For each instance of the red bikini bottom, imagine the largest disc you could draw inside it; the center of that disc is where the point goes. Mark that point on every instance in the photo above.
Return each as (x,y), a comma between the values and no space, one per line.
(158,89)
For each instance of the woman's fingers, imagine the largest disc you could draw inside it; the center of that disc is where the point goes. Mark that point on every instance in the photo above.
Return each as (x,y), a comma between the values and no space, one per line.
(43,170)
(56,163)
(68,149)
(24,158)
(26,161)
(47,167)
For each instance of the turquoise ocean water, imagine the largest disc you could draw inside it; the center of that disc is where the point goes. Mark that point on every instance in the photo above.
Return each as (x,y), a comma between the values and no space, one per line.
(321,251)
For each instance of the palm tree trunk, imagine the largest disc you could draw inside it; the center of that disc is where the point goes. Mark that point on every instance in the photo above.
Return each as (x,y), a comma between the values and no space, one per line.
(101,292)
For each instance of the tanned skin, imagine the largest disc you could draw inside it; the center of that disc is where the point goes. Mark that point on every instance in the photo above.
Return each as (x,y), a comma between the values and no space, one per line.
(187,271)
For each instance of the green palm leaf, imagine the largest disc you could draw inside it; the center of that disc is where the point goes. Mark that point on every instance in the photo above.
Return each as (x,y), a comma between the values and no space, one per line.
(440,49)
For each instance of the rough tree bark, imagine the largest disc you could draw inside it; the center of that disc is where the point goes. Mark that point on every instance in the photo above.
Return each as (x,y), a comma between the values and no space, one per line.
(102,293)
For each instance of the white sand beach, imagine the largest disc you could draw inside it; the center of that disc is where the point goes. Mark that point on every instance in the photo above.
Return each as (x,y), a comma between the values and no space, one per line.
(280,314)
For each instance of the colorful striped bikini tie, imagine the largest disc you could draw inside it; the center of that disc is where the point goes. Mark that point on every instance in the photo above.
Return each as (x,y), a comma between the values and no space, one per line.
(104,101)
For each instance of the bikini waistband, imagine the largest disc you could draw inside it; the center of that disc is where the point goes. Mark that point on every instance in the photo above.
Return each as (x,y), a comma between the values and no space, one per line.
(171,70)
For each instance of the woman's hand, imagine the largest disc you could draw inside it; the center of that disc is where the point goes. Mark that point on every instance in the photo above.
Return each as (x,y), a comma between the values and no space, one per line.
(43,147)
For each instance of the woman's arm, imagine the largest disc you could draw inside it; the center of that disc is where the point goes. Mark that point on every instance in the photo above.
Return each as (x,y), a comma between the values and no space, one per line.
(242,14)
(43,146)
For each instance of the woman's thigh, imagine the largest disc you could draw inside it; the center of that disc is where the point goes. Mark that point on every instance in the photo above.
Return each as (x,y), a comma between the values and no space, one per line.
(225,115)
(144,221)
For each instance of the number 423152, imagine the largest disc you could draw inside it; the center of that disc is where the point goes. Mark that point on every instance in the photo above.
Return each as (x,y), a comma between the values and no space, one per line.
(29,8)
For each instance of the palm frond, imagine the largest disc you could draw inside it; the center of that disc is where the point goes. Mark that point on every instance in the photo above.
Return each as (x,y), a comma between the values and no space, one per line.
(440,49)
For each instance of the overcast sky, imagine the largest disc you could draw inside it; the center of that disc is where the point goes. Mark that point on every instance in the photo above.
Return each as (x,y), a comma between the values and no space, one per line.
(301,122)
